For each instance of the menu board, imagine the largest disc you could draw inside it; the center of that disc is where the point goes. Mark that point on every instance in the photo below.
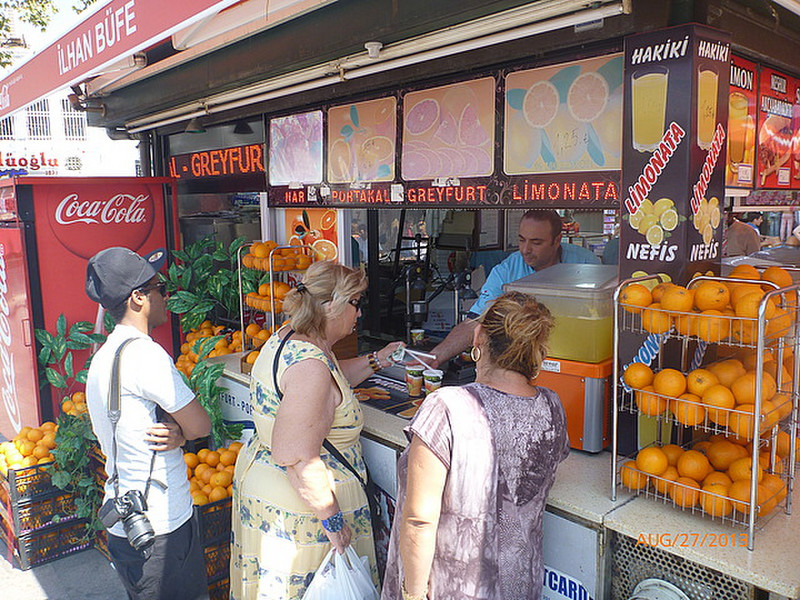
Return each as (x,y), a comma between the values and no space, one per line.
(295,149)
(742,107)
(448,131)
(775,129)
(564,118)
(362,141)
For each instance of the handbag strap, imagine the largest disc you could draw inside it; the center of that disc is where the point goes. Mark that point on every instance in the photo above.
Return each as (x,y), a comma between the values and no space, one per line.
(325,443)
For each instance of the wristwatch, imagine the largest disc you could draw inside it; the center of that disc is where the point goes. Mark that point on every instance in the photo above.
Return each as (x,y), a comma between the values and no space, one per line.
(334,523)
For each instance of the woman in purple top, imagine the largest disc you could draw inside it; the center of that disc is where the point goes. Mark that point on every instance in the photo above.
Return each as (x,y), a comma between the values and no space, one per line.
(475,477)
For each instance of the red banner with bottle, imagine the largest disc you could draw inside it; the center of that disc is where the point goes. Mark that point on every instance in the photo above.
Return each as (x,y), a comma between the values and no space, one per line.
(775,129)
(742,115)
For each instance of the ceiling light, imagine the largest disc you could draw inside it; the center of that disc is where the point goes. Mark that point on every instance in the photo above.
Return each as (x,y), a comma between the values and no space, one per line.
(194,126)
(242,128)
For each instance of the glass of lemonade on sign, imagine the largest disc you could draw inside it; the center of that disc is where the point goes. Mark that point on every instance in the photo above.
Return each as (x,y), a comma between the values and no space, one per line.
(707,82)
(738,124)
(649,104)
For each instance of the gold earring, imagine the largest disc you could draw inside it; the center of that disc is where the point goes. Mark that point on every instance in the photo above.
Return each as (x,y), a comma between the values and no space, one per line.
(475,354)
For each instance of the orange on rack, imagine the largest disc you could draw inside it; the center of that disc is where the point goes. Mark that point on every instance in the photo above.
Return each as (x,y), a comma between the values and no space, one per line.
(636,296)
(727,371)
(712,326)
(248,260)
(685,492)
(252,356)
(652,460)
(742,421)
(632,478)
(663,483)
(694,464)
(259,250)
(264,290)
(686,323)
(687,410)
(742,468)
(677,299)
(673,452)
(719,400)
(718,478)
(658,291)
(669,382)
(711,295)
(747,305)
(744,271)
(303,262)
(722,453)
(638,375)
(649,403)
(699,380)
(280,289)
(775,485)
(744,388)
(778,276)
(656,320)
(714,501)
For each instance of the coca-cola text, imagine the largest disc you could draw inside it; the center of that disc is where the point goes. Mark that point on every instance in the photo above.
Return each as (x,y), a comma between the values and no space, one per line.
(120,208)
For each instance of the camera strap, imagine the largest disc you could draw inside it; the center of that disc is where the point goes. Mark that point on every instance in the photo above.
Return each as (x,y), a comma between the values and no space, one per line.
(114,413)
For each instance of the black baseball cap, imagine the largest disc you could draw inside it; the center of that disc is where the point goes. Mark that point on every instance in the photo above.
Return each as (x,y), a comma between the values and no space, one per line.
(113,273)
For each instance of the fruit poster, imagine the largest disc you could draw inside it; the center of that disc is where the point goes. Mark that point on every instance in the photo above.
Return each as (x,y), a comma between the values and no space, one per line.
(362,141)
(796,136)
(564,118)
(775,129)
(315,227)
(448,131)
(295,149)
(742,108)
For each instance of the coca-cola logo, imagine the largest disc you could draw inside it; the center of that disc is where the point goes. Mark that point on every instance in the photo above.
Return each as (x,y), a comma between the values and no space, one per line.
(8,385)
(86,224)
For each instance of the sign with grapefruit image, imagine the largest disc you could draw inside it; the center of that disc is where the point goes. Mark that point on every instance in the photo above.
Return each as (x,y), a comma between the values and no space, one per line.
(315,227)
(564,118)
(361,141)
(448,131)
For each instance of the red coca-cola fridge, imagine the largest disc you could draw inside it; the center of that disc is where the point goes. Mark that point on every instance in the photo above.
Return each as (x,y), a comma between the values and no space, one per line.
(49,228)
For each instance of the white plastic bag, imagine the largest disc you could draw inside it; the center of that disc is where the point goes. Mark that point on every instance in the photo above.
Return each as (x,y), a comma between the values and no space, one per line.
(342,577)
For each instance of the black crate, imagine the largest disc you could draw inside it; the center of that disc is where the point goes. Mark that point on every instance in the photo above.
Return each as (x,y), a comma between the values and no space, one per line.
(48,543)
(26,516)
(218,559)
(101,543)
(220,589)
(214,520)
(28,483)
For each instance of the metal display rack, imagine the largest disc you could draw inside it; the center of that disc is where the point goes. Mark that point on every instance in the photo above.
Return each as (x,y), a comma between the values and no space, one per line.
(778,335)
(274,311)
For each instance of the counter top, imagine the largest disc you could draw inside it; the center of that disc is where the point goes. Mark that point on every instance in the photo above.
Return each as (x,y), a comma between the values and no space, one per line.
(773,565)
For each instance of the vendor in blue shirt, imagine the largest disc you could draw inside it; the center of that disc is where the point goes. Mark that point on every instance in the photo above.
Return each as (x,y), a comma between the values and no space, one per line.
(539,247)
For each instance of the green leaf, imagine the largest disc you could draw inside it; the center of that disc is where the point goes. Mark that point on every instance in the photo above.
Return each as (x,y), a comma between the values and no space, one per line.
(61,479)
(108,323)
(80,327)
(59,347)
(81,338)
(182,301)
(80,376)
(180,255)
(55,378)
(69,369)
(97,338)
(44,355)
(220,254)
(44,337)
(61,325)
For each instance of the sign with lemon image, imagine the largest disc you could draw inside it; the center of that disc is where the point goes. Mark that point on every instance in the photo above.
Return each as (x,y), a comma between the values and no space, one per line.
(361,141)
(564,118)
(655,220)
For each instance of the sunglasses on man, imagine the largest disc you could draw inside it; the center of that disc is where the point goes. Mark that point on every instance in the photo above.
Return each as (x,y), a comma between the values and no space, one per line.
(160,287)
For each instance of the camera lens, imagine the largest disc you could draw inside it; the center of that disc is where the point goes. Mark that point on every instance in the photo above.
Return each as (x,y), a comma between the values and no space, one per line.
(139,531)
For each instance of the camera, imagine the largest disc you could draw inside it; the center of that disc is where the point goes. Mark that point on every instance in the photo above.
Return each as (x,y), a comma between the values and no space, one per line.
(129,508)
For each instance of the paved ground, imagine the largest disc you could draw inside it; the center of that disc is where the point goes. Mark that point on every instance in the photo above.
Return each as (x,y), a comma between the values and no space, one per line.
(85,575)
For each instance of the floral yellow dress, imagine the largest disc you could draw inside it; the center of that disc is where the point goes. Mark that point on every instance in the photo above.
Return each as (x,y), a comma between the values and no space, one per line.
(278,543)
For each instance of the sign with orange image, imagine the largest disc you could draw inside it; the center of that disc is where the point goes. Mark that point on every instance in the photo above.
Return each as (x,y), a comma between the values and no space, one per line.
(315,227)
(564,118)
(741,123)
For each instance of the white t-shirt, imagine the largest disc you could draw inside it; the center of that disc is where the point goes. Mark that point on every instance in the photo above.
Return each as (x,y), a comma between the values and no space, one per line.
(148,378)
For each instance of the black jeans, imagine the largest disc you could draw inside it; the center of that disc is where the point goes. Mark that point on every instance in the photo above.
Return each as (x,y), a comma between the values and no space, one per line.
(174,570)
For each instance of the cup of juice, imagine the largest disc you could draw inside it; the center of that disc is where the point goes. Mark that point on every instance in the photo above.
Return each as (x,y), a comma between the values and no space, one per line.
(414,380)
(433,379)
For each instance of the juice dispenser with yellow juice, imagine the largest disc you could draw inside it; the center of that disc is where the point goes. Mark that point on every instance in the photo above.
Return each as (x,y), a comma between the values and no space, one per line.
(579,363)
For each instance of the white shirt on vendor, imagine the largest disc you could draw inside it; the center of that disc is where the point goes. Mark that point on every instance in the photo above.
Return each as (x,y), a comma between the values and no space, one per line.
(514,268)
(148,379)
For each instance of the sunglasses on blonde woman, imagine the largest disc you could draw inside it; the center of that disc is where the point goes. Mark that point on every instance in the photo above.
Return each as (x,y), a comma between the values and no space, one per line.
(356,302)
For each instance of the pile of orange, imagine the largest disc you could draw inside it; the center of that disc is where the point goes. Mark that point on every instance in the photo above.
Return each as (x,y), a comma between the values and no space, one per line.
(210,473)
(721,393)
(714,475)
(268,297)
(715,310)
(263,254)
(75,405)
(31,446)
(232,342)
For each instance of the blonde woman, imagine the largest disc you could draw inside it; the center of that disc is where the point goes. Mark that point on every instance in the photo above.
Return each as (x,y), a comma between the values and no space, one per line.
(475,477)
(292,500)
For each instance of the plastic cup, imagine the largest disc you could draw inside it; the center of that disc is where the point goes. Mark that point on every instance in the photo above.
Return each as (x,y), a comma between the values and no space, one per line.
(417,335)
(414,385)
(433,379)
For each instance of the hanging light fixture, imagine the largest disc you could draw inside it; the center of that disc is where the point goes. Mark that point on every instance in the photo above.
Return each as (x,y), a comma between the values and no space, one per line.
(242,128)
(194,126)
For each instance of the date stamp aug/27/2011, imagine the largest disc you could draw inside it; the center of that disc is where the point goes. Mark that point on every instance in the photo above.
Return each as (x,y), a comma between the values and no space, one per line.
(685,539)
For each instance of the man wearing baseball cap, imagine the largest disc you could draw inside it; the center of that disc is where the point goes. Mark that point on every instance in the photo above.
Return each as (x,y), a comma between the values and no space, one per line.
(158,413)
